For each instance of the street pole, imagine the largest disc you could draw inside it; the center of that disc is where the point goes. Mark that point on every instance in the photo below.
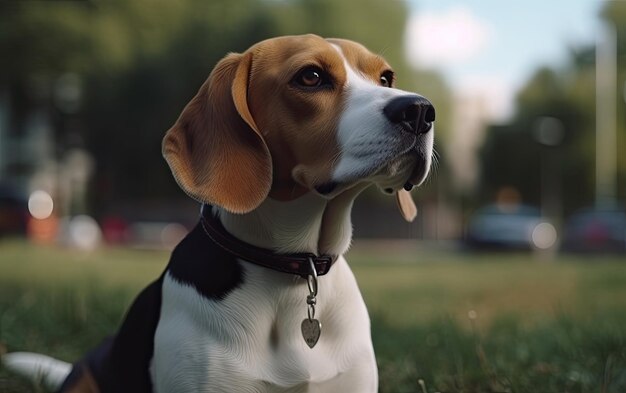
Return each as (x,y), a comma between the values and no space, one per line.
(606,90)
(549,132)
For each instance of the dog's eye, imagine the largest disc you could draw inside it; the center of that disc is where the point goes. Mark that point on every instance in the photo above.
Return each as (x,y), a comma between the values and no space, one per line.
(311,77)
(386,79)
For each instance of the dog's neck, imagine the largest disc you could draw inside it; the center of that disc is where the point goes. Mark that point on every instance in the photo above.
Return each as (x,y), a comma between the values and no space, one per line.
(309,223)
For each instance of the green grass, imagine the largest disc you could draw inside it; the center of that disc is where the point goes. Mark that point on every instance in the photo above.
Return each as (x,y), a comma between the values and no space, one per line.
(457,323)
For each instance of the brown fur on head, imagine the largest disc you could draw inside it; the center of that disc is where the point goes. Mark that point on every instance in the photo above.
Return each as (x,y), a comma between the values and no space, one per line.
(250,132)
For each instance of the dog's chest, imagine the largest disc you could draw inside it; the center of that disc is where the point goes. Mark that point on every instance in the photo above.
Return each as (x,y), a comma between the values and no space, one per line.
(250,340)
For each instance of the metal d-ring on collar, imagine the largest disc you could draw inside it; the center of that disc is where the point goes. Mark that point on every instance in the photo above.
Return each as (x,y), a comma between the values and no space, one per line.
(311,300)
(311,327)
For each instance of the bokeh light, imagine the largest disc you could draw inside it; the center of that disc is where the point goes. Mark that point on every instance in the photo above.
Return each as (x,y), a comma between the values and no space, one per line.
(40,205)
(544,236)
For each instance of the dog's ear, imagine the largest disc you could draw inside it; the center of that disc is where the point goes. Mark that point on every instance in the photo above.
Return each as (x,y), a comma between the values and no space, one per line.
(406,205)
(214,149)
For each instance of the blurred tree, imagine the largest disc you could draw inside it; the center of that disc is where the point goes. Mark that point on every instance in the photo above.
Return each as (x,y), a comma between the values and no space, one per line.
(511,155)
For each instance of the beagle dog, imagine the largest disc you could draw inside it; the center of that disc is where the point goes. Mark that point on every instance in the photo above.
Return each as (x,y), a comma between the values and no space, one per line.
(276,145)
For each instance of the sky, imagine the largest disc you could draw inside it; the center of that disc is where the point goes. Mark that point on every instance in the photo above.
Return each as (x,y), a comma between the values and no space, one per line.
(493,46)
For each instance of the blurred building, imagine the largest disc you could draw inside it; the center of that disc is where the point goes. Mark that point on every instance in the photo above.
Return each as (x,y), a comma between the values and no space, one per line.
(471,115)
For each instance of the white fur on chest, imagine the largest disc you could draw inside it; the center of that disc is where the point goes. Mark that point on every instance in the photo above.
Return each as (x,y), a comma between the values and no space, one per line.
(251,340)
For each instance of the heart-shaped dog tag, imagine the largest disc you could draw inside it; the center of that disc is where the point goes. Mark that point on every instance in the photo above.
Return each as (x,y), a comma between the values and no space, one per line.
(311,330)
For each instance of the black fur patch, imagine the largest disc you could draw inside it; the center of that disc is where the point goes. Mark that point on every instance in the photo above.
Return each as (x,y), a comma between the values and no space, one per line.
(199,262)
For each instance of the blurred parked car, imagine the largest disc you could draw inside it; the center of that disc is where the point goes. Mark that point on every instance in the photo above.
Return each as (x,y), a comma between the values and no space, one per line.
(13,213)
(596,230)
(510,227)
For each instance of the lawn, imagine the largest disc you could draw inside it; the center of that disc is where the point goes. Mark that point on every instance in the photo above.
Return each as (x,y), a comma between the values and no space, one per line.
(442,322)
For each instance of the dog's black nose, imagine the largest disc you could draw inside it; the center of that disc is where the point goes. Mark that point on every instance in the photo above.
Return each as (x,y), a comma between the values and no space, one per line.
(413,110)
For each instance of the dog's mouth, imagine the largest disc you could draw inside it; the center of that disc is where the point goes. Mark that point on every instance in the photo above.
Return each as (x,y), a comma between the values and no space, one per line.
(327,188)
(406,172)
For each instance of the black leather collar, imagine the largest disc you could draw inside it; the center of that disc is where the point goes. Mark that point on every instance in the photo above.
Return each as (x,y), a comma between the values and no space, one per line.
(298,263)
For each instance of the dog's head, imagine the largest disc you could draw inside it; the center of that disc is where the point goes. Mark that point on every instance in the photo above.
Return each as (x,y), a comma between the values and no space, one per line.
(299,114)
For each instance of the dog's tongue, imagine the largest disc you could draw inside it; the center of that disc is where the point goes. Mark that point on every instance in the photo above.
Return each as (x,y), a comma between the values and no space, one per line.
(406,205)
